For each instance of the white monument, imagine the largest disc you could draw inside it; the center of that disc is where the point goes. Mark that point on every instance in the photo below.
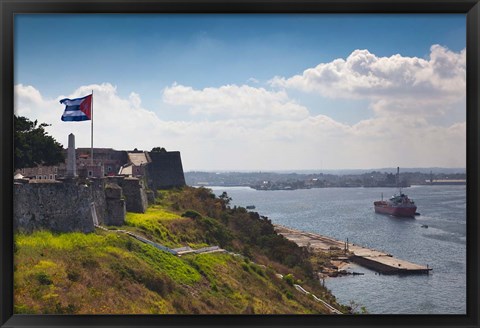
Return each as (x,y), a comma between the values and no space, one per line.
(71,157)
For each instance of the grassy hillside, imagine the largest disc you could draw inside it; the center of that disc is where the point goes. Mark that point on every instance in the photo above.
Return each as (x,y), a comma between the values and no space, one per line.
(111,272)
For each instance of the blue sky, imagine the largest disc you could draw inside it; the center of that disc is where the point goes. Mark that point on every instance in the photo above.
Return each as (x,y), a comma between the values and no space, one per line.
(174,67)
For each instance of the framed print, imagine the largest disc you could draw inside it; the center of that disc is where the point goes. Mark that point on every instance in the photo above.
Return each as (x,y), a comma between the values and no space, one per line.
(204,163)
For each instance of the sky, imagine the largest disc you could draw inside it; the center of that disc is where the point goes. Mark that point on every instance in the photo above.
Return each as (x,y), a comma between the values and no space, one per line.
(253,92)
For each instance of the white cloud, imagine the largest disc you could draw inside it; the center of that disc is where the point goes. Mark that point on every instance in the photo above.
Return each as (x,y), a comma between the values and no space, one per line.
(235,101)
(135,99)
(27,99)
(242,127)
(364,75)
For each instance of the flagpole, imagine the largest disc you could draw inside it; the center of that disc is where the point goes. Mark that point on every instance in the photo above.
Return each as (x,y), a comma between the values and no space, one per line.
(91,137)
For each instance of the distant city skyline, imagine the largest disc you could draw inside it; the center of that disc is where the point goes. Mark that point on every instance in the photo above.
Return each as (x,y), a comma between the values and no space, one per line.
(253,92)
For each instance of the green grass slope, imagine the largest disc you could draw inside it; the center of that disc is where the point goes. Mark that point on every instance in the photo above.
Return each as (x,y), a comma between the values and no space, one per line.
(108,272)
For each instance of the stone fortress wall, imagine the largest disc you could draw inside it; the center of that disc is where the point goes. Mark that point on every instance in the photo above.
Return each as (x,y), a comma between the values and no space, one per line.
(165,170)
(66,205)
(53,206)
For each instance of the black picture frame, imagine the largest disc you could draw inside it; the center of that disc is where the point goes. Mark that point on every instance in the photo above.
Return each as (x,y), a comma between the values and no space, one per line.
(8,9)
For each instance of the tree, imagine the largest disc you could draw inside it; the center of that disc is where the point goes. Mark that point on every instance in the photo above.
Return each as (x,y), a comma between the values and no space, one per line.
(225,198)
(33,146)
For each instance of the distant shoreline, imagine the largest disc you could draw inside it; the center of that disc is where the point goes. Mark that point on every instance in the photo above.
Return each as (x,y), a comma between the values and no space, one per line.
(435,170)
(330,187)
(293,181)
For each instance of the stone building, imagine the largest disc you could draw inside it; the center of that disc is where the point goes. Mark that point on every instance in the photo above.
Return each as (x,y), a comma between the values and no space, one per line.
(43,172)
(106,161)
(137,163)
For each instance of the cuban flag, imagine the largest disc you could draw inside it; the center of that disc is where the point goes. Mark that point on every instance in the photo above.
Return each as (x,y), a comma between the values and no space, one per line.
(79,109)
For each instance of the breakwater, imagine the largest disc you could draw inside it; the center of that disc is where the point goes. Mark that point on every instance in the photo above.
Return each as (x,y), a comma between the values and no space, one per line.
(370,258)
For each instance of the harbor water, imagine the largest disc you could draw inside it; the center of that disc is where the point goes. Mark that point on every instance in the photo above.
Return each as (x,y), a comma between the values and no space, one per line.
(436,238)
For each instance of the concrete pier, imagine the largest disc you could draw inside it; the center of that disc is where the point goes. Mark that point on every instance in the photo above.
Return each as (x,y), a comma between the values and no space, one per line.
(372,259)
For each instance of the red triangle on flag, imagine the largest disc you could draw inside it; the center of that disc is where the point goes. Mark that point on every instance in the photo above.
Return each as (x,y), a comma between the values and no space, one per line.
(86,106)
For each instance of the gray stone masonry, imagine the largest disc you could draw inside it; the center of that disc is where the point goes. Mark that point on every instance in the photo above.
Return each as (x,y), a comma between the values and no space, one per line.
(66,206)
(133,192)
(113,191)
(116,209)
(97,195)
(135,196)
(58,207)
(165,171)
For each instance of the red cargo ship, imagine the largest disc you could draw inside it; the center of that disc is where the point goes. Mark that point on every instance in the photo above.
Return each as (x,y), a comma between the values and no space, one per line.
(397,205)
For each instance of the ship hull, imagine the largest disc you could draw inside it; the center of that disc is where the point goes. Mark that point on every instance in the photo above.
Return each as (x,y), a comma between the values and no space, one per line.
(404,211)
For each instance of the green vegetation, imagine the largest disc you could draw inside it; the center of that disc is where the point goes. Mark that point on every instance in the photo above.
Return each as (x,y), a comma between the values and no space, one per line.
(110,272)
(33,146)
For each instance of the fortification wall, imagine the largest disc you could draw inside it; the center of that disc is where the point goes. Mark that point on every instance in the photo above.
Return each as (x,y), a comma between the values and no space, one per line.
(97,195)
(116,209)
(66,206)
(165,171)
(58,207)
(135,196)
(133,192)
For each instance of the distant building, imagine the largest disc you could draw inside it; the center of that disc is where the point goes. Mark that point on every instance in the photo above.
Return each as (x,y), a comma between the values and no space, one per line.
(43,172)
(447,182)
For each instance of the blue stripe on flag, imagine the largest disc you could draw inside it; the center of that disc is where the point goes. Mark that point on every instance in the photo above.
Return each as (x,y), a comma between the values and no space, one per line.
(75,118)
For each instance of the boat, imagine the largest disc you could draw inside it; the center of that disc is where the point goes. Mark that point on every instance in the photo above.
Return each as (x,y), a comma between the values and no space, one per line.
(397,205)
(250,207)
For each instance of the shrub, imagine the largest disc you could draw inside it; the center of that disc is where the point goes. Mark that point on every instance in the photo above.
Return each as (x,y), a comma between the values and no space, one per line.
(90,263)
(258,270)
(214,287)
(69,309)
(192,214)
(43,278)
(246,267)
(22,309)
(73,275)
(215,232)
(161,285)
(289,279)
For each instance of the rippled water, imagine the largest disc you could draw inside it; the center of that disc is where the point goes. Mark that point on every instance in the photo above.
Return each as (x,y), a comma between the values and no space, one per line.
(348,213)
